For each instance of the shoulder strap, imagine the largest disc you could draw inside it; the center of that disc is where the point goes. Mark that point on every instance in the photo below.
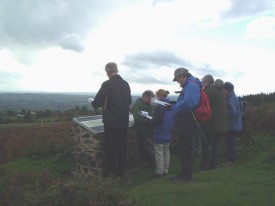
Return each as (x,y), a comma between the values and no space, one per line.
(195,81)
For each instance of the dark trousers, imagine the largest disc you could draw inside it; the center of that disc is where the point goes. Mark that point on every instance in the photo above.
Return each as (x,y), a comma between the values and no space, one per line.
(185,147)
(146,147)
(115,150)
(210,147)
(197,147)
(230,138)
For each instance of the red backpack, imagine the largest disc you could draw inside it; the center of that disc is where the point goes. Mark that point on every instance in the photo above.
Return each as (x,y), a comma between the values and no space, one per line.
(203,111)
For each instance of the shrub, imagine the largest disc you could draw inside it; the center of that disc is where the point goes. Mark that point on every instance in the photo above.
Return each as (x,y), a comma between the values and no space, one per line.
(260,119)
(34,188)
(35,140)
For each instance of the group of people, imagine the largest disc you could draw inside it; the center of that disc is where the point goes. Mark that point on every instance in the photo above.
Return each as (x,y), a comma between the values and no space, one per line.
(166,120)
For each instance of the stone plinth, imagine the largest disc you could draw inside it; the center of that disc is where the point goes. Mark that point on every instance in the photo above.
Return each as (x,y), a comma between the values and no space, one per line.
(87,154)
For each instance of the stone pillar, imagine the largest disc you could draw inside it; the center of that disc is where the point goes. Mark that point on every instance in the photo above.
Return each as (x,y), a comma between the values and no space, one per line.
(87,154)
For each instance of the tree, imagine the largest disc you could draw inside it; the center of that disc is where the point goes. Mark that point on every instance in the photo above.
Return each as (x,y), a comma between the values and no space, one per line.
(28,116)
(10,113)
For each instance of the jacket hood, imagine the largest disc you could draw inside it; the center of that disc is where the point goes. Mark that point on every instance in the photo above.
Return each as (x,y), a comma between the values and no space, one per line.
(192,79)
(218,83)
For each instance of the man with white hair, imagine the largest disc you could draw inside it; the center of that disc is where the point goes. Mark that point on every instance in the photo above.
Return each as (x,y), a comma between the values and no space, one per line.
(114,97)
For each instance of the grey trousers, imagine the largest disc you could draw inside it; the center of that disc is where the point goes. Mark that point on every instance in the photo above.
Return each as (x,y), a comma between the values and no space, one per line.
(162,157)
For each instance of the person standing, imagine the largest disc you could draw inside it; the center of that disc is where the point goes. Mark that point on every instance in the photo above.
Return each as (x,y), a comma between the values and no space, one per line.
(215,128)
(162,123)
(184,123)
(234,120)
(143,129)
(114,97)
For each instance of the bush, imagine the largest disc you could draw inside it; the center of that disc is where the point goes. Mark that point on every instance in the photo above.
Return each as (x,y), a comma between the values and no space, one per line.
(35,140)
(34,188)
(260,119)
(36,170)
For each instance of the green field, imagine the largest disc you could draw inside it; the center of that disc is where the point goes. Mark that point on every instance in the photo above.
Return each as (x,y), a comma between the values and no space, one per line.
(35,169)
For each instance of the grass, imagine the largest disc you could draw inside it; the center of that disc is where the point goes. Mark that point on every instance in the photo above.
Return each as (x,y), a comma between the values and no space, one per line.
(244,184)
(247,184)
(35,170)
(52,163)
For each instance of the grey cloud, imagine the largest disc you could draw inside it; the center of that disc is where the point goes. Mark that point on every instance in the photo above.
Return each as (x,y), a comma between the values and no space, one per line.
(72,42)
(242,8)
(39,24)
(208,69)
(144,78)
(219,73)
(143,64)
(155,59)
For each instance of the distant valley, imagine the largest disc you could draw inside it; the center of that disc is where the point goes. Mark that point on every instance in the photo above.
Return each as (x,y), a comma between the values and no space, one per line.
(51,101)
(42,101)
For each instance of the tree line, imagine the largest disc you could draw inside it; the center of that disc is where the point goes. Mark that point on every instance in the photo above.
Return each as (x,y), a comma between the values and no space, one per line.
(257,99)
(28,116)
(47,115)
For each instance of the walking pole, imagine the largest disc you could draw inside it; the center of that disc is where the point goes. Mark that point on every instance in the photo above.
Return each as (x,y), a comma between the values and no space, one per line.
(199,126)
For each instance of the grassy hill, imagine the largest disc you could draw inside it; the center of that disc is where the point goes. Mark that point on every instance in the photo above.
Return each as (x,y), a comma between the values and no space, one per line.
(35,170)
(245,184)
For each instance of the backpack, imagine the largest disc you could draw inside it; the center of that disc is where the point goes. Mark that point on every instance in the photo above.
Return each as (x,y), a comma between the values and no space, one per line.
(203,111)
(242,104)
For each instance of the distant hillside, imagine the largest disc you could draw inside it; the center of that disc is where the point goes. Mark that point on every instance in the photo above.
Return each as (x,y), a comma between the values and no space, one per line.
(42,101)
(51,101)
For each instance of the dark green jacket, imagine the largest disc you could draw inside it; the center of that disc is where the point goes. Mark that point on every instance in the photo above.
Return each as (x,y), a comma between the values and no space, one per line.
(218,122)
(140,122)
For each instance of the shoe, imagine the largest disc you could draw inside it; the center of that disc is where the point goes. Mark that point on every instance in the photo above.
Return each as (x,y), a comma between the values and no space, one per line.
(182,181)
(157,175)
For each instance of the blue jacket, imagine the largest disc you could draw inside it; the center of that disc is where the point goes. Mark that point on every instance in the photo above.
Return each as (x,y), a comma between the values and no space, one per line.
(162,123)
(234,112)
(187,101)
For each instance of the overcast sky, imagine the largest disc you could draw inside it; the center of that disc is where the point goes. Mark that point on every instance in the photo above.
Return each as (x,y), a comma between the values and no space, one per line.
(63,46)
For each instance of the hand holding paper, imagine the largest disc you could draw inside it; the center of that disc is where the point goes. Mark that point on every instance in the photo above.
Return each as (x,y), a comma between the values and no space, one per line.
(160,102)
(90,100)
(145,114)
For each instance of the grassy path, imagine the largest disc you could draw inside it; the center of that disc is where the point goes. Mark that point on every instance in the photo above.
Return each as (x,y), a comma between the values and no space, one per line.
(250,184)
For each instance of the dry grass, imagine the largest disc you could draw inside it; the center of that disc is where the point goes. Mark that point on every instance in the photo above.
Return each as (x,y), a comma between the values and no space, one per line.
(19,140)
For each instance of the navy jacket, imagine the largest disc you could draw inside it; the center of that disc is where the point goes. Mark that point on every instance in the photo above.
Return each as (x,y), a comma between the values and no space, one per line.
(162,123)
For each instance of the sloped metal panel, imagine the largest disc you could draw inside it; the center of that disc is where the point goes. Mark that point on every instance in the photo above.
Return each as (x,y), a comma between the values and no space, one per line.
(94,123)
